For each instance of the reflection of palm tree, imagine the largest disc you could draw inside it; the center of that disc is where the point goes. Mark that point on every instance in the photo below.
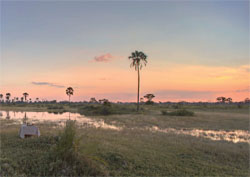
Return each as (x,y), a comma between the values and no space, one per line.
(69,92)
(138,60)
(7,115)
(25,118)
(25,95)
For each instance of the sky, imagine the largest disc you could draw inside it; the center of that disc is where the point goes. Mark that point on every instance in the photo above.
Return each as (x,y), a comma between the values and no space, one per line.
(197,50)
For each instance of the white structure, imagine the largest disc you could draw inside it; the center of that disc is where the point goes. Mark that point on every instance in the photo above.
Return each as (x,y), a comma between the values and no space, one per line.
(28,130)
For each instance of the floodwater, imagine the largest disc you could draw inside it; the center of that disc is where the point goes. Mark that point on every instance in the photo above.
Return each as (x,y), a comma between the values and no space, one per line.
(216,135)
(60,119)
(34,117)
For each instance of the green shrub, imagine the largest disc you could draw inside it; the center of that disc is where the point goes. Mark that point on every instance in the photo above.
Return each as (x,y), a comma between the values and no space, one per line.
(149,102)
(67,160)
(107,109)
(180,112)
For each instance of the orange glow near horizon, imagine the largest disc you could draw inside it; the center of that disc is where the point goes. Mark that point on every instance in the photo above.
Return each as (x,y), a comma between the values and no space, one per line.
(175,83)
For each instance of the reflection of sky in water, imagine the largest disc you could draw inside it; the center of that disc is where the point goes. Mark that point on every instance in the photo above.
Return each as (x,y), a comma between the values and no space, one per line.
(33,117)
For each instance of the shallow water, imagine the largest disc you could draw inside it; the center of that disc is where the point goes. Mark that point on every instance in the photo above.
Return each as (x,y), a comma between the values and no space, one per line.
(34,117)
(217,135)
(60,119)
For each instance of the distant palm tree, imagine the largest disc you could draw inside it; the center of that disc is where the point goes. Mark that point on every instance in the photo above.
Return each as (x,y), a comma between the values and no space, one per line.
(8,96)
(25,95)
(69,92)
(138,60)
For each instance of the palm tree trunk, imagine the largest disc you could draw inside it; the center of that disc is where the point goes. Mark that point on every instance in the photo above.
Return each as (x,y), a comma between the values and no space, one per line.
(138,93)
(69,98)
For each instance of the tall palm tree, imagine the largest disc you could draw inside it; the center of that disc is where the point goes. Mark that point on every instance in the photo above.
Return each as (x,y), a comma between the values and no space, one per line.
(139,59)
(69,92)
(25,95)
(8,96)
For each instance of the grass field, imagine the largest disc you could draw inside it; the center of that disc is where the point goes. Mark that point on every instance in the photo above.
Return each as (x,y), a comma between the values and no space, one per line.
(134,150)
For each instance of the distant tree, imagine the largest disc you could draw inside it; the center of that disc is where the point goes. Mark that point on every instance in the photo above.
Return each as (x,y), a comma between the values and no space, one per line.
(93,100)
(247,100)
(1,97)
(104,101)
(221,99)
(30,100)
(229,100)
(17,99)
(8,95)
(138,60)
(25,95)
(141,100)
(37,99)
(149,98)
(21,99)
(69,92)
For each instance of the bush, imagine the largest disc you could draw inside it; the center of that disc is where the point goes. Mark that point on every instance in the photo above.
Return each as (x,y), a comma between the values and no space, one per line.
(180,112)
(67,160)
(95,110)
(149,102)
(106,109)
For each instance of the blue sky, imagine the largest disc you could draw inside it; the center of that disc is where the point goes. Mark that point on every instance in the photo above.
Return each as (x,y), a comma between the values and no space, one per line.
(53,35)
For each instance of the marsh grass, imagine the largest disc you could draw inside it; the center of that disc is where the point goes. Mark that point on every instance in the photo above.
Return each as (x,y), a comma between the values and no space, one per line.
(129,152)
(48,155)
(117,153)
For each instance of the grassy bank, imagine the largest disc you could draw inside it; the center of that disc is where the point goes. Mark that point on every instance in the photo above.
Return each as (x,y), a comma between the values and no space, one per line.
(122,153)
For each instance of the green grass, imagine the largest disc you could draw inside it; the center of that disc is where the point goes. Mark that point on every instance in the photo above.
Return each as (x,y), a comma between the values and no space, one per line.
(130,152)
(126,153)
(180,112)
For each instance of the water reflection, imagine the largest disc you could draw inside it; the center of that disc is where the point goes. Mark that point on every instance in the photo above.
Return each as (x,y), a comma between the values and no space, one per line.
(217,135)
(7,115)
(60,119)
(25,118)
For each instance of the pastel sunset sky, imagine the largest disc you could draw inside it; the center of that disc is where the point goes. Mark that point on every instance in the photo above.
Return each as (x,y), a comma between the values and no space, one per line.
(197,50)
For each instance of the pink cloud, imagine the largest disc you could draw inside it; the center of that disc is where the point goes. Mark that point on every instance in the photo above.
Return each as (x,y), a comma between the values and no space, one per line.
(104,58)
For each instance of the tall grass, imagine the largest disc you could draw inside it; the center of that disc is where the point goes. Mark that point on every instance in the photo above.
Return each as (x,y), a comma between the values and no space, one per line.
(67,159)
(46,155)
